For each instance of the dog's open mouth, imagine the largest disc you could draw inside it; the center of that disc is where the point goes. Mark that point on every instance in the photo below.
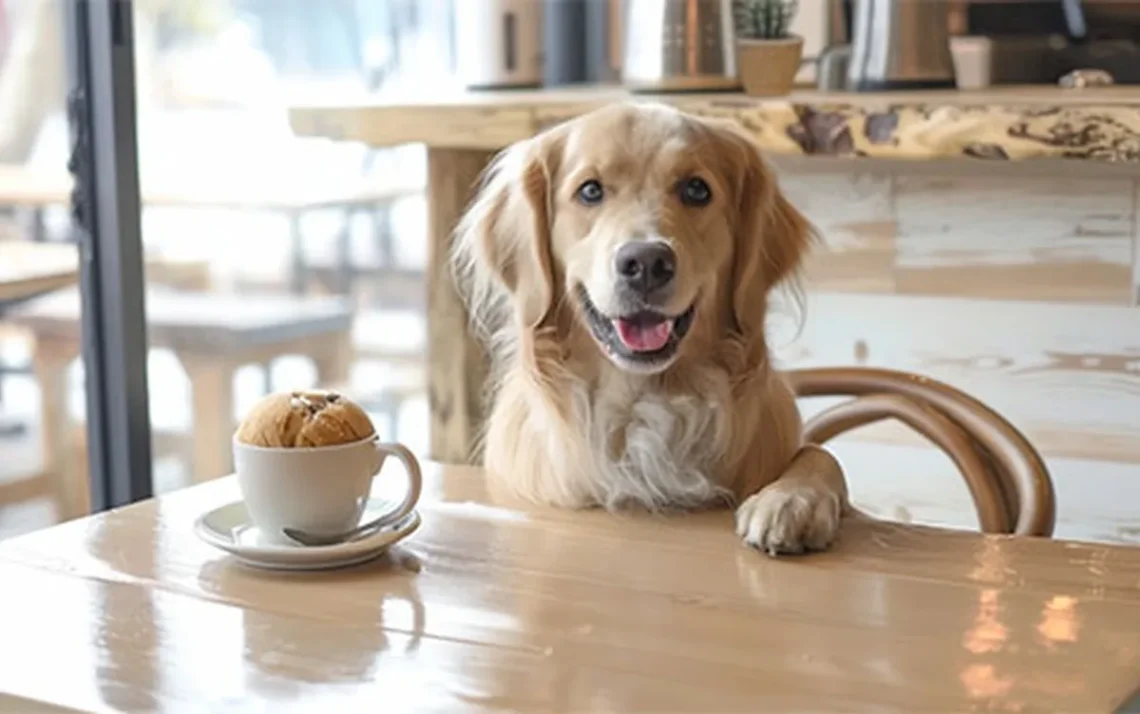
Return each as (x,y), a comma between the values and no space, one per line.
(646,336)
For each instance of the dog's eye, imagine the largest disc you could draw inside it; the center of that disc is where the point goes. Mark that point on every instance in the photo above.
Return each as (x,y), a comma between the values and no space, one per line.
(695,192)
(590,193)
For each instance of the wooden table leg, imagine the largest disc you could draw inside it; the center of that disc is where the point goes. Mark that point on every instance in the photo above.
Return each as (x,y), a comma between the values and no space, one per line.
(298,266)
(212,397)
(62,461)
(334,359)
(382,234)
(344,268)
(457,364)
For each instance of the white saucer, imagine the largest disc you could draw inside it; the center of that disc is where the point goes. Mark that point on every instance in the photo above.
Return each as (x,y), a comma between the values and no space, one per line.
(230,529)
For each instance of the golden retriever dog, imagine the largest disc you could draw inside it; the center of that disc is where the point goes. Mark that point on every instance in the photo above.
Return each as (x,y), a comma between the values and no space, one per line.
(621,267)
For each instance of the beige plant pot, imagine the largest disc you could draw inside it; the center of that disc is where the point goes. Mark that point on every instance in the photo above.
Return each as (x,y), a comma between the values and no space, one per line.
(768,67)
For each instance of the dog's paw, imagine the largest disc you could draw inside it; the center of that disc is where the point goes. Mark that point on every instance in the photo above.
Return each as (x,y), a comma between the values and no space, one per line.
(789,517)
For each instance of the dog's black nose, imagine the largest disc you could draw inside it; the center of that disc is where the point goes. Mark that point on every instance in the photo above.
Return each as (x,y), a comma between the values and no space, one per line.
(645,266)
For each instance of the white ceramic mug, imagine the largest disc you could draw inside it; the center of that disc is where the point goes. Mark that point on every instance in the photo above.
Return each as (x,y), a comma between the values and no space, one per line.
(322,490)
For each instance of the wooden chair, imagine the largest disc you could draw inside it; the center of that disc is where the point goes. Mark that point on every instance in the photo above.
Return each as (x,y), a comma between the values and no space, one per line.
(1007,478)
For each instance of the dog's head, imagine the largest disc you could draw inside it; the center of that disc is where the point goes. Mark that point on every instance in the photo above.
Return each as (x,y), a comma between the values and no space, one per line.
(656,230)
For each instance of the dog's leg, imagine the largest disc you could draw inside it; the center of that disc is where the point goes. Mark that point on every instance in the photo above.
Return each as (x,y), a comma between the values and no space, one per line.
(800,511)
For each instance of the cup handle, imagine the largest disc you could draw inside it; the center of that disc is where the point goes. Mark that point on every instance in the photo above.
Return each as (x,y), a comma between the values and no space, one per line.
(415,481)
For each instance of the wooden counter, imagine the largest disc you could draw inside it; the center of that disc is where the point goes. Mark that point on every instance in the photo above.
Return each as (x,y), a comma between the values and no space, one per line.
(1016,280)
(1099,124)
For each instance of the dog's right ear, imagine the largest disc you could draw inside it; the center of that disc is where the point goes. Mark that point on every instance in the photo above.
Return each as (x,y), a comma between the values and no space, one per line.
(502,243)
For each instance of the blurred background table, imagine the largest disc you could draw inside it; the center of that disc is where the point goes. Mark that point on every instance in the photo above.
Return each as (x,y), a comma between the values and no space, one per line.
(283,193)
(29,269)
(212,336)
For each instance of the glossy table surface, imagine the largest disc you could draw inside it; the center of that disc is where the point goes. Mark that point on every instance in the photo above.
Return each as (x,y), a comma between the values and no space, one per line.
(495,606)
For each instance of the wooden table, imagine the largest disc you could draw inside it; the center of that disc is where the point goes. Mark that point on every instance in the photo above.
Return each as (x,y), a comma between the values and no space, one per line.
(282,193)
(521,609)
(28,270)
(463,131)
(212,335)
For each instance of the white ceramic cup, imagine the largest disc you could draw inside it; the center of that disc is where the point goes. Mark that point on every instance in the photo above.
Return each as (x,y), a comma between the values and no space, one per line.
(322,490)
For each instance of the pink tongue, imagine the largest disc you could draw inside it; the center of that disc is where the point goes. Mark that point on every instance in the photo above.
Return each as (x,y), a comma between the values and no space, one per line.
(644,338)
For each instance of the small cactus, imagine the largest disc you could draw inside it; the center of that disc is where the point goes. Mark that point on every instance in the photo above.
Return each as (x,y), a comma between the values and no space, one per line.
(763,19)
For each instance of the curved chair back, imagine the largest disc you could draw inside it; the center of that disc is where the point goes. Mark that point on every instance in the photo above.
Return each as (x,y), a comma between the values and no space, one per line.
(1007,478)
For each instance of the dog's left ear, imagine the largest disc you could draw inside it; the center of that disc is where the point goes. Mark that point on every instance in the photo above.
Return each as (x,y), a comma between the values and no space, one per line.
(502,244)
(772,239)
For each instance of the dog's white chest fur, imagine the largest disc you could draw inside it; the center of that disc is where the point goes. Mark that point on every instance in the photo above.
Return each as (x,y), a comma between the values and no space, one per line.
(621,445)
(659,449)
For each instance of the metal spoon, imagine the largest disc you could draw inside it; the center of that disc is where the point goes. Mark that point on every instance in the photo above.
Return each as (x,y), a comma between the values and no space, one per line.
(315,539)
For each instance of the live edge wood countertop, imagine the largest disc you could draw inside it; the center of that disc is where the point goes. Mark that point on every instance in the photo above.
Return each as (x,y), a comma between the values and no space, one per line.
(1008,123)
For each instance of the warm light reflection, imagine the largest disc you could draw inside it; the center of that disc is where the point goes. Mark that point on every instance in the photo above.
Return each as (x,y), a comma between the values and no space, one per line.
(982,682)
(990,566)
(988,634)
(1059,621)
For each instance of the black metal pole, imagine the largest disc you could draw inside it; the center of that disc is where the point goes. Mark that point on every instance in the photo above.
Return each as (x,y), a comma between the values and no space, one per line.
(105,215)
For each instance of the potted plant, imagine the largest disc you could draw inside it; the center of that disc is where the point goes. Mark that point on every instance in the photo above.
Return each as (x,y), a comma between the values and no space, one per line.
(767,55)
